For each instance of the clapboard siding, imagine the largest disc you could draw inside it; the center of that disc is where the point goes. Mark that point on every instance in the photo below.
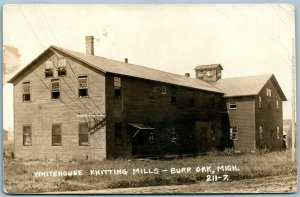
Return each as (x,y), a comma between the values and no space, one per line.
(135,107)
(244,119)
(41,112)
(269,119)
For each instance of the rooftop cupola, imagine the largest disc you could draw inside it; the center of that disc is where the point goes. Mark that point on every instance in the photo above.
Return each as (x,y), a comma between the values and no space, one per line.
(209,73)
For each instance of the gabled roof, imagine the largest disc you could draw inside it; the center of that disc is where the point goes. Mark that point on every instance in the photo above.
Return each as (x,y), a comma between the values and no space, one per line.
(246,86)
(117,67)
(209,67)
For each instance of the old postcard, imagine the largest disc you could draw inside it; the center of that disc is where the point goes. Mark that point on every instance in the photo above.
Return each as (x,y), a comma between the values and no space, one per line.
(149,98)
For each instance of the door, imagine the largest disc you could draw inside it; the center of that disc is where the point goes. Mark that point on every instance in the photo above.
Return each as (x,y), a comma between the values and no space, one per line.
(203,136)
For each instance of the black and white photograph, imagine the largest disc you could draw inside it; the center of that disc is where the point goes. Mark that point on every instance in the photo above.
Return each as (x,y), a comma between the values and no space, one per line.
(149,98)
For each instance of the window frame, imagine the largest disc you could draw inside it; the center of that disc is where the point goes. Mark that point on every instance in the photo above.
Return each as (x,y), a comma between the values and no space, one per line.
(230,103)
(259,102)
(60,134)
(152,96)
(23,94)
(117,82)
(234,137)
(261,133)
(269,92)
(61,68)
(163,89)
(277,132)
(30,126)
(173,135)
(83,88)
(80,143)
(49,70)
(151,137)
(277,104)
(54,91)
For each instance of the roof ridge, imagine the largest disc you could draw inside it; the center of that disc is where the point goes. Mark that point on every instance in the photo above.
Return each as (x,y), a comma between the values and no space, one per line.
(269,74)
(165,72)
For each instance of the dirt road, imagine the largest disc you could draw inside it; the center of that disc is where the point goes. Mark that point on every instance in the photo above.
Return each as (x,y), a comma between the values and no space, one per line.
(275,184)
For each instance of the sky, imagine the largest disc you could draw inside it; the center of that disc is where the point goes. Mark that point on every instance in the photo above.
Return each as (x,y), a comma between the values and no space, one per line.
(245,39)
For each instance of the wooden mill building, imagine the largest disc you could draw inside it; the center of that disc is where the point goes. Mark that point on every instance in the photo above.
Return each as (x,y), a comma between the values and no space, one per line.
(77,105)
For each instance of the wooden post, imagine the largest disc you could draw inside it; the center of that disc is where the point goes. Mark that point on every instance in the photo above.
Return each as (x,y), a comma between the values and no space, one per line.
(293,102)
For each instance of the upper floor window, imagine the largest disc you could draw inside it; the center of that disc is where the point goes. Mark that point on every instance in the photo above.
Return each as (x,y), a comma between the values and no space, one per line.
(55,89)
(26,91)
(278,132)
(56,135)
(233,133)
(191,101)
(152,94)
(173,96)
(163,89)
(232,105)
(117,87)
(259,102)
(118,133)
(48,68)
(83,86)
(27,136)
(260,133)
(61,70)
(83,131)
(269,92)
(277,104)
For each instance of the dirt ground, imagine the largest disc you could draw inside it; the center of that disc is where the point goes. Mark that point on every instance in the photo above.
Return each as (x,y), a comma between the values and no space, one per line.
(274,184)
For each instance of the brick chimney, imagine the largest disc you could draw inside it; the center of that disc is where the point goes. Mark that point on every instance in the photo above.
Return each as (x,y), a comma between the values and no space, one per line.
(89,42)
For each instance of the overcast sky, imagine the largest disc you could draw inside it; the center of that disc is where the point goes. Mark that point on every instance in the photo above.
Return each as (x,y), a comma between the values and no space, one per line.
(245,39)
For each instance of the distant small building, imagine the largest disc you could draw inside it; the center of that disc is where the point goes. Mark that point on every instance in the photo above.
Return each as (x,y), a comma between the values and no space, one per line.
(287,132)
(5,135)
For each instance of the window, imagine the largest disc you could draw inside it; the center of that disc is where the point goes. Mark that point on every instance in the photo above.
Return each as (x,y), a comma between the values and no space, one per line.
(26,91)
(83,134)
(163,89)
(152,95)
(55,89)
(259,102)
(277,104)
(56,135)
(173,100)
(269,92)
(118,133)
(261,133)
(232,105)
(83,86)
(49,68)
(151,137)
(117,87)
(191,101)
(278,131)
(27,136)
(173,135)
(173,97)
(61,70)
(233,133)
(209,73)
(269,103)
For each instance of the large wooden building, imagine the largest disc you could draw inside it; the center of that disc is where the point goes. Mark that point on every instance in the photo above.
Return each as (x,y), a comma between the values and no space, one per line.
(77,105)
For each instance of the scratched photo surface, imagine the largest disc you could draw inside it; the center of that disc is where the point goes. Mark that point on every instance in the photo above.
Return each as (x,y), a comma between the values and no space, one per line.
(148,98)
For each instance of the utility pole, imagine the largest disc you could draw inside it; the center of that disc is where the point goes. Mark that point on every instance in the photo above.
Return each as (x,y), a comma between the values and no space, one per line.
(293,60)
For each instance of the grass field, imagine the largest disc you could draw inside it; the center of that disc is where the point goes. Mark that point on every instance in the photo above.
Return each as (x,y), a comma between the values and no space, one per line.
(19,175)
